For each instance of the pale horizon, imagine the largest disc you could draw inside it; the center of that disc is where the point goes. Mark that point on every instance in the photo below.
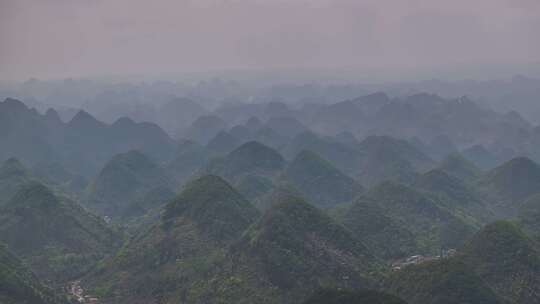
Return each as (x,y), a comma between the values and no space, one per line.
(55,39)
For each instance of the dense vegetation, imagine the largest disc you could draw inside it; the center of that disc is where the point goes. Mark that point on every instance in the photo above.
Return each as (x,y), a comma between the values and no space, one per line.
(124,179)
(333,296)
(263,203)
(319,181)
(441,282)
(177,251)
(18,285)
(55,236)
(289,253)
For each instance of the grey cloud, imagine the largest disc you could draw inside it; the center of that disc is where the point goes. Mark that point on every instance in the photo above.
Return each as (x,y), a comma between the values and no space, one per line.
(60,38)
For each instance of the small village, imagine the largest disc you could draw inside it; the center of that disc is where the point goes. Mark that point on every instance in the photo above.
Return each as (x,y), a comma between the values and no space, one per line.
(76,291)
(419,259)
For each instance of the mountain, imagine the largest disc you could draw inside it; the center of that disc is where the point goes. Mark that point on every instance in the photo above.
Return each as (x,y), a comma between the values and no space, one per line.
(82,145)
(342,156)
(397,221)
(480,156)
(446,281)
(346,138)
(386,236)
(387,158)
(495,93)
(23,133)
(456,195)
(443,123)
(238,112)
(54,173)
(254,187)
(270,137)
(242,133)
(253,123)
(319,181)
(529,216)
(13,175)
(286,126)
(85,124)
(87,144)
(432,225)
(499,264)
(335,296)
(165,261)
(177,114)
(147,209)
(251,157)
(216,208)
(293,250)
(146,137)
(276,108)
(271,192)
(189,158)
(347,115)
(18,285)
(440,147)
(396,146)
(54,235)
(205,128)
(124,179)
(223,143)
(337,117)
(461,120)
(507,260)
(457,166)
(252,168)
(510,183)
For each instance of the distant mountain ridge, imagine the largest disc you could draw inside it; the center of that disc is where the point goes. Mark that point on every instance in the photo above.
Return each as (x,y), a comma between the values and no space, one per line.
(422,199)
(83,144)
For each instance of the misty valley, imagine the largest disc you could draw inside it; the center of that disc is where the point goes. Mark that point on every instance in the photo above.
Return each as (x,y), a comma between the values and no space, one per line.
(269,152)
(375,199)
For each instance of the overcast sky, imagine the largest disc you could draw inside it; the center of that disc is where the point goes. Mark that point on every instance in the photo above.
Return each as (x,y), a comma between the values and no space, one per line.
(63,38)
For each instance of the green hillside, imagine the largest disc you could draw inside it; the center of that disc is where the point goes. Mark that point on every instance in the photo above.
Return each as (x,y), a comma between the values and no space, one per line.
(166,260)
(18,285)
(529,216)
(293,250)
(456,195)
(251,157)
(433,225)
(188,159)
(447,281)
(387,237)
(13,175)
(509,184)
(499,264)
(54,235)
(387,158)
(338,296)
(459,167)
(507,260)
(125,178)
(319,181)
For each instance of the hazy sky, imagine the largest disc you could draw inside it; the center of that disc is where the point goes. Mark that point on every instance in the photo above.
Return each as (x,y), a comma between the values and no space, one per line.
(61,38)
